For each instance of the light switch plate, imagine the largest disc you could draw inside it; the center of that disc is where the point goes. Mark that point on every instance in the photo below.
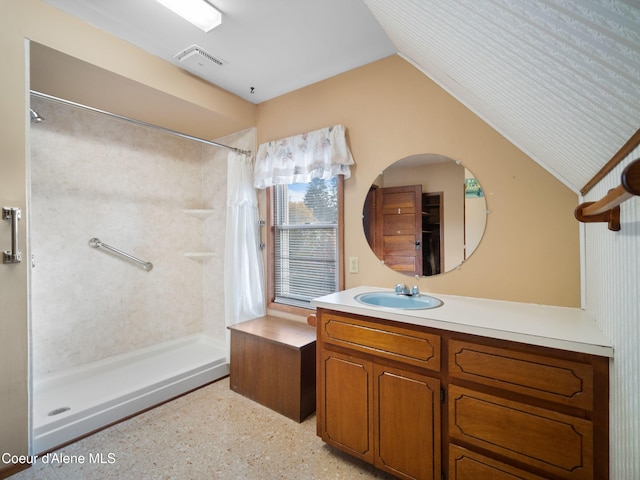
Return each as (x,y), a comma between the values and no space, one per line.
(353,264)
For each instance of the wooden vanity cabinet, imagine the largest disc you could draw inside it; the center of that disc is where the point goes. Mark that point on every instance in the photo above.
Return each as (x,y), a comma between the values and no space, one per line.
(429,404)
(369,405)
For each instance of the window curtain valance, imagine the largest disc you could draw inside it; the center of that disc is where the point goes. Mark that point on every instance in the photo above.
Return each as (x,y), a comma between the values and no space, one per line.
(299,159)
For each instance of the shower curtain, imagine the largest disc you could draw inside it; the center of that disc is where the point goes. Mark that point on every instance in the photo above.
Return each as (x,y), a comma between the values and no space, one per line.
(243,271)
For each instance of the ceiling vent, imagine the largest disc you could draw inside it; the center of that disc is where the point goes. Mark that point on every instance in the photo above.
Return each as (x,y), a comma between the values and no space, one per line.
(198,61)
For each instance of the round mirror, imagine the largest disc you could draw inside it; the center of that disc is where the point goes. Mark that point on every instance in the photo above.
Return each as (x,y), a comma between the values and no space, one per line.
(424,215)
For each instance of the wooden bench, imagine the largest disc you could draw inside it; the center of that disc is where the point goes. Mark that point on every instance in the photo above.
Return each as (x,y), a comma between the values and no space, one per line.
(273,362)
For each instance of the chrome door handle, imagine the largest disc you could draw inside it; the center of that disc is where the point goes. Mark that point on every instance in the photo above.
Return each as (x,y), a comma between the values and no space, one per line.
(13,215)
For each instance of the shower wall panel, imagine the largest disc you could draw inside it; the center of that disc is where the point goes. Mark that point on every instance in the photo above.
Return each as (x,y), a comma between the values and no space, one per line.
(97,176)
(214,188)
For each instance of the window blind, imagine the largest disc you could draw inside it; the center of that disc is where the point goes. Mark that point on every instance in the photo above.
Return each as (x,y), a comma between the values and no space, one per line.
(306,247)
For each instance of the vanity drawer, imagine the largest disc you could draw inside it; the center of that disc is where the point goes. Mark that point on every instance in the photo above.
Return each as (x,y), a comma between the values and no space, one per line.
(556,443)
(561,381)
(465,464)
(388,341)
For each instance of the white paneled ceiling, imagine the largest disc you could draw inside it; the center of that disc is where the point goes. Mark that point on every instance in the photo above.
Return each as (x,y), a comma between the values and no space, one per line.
(558,78)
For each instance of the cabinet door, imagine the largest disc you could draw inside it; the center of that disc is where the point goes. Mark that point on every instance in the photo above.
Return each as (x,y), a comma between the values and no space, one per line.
(345,403)
(407,423)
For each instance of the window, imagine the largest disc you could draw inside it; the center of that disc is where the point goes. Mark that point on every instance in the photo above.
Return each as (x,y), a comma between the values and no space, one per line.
(306,233)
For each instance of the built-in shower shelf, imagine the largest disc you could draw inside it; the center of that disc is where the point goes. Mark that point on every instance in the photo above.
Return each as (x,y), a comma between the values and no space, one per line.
(201,256)
(201,213)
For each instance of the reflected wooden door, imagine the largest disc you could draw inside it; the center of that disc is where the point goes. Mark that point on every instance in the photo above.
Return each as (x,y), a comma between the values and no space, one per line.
(399,232)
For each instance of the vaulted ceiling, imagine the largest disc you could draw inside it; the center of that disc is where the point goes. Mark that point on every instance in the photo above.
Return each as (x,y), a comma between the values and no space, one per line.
(558,78)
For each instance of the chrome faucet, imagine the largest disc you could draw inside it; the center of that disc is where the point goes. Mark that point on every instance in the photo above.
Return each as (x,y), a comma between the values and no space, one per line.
(402,289)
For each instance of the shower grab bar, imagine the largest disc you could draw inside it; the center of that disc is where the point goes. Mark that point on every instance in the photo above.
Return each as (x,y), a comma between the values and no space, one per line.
(95,243)
(13,215)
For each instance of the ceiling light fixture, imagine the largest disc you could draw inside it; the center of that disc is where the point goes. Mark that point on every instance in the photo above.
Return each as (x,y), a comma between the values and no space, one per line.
(202,14)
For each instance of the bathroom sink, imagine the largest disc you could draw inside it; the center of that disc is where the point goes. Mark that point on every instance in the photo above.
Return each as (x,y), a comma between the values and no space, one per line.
(393,300)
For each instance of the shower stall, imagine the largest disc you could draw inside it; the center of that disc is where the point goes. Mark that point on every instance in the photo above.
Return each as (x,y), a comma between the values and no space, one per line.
(126,232)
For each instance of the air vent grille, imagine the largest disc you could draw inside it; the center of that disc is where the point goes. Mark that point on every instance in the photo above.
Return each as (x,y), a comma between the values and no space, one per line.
(198,60)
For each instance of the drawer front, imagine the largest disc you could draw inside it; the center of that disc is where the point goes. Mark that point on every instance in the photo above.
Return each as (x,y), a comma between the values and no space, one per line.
(465,464)
(396,343)
(565,382)
(554,442)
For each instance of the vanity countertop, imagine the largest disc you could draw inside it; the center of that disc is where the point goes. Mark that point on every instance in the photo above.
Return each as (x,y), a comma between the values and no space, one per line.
(543,325)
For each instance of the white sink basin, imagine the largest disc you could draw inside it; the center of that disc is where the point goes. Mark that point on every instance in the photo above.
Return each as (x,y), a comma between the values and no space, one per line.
(393,300)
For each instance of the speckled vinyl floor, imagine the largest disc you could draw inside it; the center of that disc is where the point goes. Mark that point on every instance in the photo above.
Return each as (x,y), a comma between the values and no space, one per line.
(212,433)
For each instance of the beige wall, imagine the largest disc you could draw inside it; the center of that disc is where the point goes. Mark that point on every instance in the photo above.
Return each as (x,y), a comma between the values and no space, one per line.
(138,85)
(530,251)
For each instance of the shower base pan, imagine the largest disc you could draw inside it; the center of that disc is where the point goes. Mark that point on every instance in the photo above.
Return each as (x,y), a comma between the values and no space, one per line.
(73,403)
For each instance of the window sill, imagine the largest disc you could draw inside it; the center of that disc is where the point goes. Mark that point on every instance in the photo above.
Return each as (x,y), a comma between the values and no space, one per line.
(300,312)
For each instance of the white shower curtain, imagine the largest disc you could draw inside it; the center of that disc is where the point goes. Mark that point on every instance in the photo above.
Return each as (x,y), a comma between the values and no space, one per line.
(243,272)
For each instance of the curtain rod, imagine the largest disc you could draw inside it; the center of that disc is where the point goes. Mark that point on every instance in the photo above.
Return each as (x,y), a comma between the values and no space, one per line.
(138,122)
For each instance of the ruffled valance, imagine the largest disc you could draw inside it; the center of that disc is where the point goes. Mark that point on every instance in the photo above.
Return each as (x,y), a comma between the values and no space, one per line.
(299,159)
